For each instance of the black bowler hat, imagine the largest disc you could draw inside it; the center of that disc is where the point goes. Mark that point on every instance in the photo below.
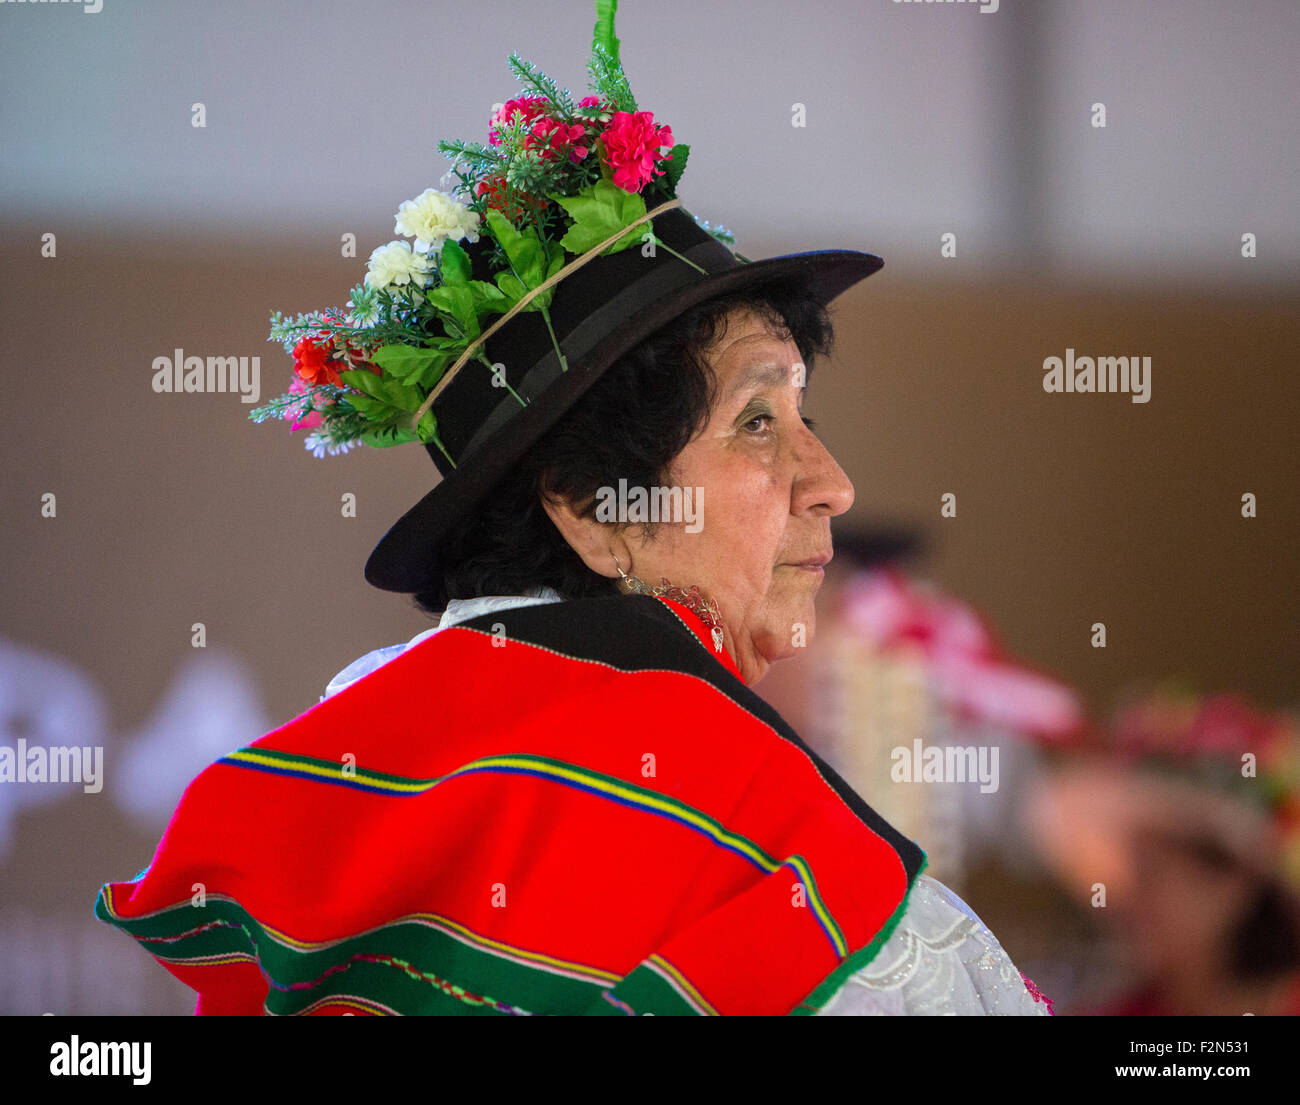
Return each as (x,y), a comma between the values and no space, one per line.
(599,312)
(548,283)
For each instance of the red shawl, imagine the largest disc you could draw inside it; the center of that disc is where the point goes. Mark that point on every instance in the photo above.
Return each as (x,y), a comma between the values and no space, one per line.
(576,807)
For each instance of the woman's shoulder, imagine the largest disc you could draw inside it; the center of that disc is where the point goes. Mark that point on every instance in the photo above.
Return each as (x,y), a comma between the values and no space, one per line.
(941,960)
(631,634)
(640,633)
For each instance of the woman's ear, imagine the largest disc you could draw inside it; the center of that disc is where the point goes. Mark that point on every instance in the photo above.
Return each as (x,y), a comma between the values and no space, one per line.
(590,539)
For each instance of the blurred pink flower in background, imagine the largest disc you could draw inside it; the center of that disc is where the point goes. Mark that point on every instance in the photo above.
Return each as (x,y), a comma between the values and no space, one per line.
(963,664)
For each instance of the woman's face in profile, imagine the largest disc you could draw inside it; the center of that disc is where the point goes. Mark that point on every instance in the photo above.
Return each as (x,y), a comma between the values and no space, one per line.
(769,491)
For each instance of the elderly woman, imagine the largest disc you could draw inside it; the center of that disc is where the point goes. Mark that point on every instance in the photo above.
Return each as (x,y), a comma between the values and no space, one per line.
(566,797)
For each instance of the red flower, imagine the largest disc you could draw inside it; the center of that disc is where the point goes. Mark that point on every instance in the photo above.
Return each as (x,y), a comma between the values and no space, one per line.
(350,350)
(530,107)
(313,361)
(632,148)
(494,187)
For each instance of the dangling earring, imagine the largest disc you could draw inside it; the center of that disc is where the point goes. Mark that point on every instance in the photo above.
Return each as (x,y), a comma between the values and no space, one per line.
(707,609)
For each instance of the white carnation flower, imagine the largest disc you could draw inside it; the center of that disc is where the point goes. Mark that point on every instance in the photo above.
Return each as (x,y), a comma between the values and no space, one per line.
(396,264)
(433,217)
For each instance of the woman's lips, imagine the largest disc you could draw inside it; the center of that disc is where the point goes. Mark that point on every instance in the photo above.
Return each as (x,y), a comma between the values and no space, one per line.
(814,564)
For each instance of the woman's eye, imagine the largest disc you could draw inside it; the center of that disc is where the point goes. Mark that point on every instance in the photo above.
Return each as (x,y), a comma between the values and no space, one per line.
(758,419)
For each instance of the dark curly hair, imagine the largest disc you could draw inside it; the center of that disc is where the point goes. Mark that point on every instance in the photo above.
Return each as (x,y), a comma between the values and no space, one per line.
(631,424)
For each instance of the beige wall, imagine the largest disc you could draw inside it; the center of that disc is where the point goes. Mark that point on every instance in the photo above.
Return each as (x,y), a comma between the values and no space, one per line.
(1071,509)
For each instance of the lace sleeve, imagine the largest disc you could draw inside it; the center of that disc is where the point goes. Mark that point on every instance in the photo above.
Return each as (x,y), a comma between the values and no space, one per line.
(941,960)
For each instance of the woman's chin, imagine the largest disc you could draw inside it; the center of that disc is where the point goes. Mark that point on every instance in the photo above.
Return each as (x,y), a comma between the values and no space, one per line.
(790,630)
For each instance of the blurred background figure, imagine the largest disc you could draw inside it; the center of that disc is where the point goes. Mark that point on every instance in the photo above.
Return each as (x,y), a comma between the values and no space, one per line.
(54,956)
(1179,824)
(1145,866)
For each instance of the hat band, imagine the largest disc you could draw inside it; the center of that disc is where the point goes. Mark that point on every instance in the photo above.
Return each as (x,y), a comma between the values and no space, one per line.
(664,281)
(528,297)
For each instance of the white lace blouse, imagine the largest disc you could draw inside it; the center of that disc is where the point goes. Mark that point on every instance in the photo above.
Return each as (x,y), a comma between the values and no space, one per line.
(939,960)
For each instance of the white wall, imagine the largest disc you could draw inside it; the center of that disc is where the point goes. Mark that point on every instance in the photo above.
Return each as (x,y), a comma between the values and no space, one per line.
(323,116)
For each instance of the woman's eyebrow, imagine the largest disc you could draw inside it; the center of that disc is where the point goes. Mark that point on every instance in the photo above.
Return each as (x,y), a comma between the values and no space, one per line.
(768,373)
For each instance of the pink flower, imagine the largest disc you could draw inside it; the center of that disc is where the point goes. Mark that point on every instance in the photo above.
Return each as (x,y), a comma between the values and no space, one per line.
(632,145)
(530,106)
(551,136)
(961,660)
(606,108)
(1037,994)
(305,418)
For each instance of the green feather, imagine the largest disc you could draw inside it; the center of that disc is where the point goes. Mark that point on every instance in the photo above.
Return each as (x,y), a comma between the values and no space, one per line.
(604,32)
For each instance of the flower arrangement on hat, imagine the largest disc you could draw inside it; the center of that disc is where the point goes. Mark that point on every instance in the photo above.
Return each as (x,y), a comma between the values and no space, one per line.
(554,180)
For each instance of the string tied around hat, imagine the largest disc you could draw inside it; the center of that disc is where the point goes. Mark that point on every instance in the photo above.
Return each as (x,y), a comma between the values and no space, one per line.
(533,293)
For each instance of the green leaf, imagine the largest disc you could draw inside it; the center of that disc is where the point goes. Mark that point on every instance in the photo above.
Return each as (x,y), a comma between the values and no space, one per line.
(599,212)
(488,297)
(387,436)
(511,287)
(523,249)
(608,79)
(403,397)
(428,427)
(556,254)
(458,301)
(454,345)
(401,362)
(673,168)
(386,390)
(364,380)
(514,290)
(371,408)
(604,32)
(533,78)
(433,373)
(455,264)
(556,263)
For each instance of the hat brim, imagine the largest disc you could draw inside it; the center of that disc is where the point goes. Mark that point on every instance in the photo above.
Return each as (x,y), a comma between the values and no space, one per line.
(406,559)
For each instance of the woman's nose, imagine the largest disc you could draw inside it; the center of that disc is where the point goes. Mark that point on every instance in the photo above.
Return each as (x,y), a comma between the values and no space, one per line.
(821,483)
